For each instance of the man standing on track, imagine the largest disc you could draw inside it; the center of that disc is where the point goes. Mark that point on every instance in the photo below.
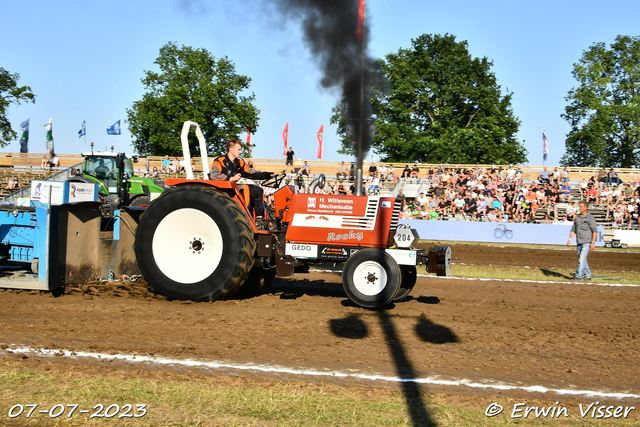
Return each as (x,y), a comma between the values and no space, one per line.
(585,230)
(289,162)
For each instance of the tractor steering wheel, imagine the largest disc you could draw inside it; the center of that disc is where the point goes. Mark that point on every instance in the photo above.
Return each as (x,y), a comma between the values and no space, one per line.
(274,181)
(101,172)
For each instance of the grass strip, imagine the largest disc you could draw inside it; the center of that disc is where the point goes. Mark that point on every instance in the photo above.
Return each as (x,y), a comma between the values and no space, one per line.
(527,273)
(185,401)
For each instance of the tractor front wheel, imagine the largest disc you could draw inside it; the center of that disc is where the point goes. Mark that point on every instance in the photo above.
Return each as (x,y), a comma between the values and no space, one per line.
(140,201)
(195,243)
(371,278)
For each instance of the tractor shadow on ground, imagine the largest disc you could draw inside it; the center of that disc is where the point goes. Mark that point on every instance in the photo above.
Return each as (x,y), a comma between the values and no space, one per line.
(550,273)
(353,327)
(433,333)
(293,289)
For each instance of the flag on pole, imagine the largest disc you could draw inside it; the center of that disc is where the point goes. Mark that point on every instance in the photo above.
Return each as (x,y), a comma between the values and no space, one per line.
(114,129)
(49,127)
(360,20)
(24,139)
(83,130)
(285,137)
(320,133)
(545,146)
(249,141)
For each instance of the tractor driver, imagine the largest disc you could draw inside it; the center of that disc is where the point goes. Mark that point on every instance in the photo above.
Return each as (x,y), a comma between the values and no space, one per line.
(231,168)
(102,170)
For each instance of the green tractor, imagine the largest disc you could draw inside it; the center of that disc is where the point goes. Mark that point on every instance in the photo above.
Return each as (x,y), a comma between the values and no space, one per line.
(113,172)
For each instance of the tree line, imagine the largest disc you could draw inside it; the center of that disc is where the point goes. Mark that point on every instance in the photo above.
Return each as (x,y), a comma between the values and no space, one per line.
(432,103)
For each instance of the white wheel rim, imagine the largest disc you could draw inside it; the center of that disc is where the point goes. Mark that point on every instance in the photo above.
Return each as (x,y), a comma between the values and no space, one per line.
(369,278)
(187,246)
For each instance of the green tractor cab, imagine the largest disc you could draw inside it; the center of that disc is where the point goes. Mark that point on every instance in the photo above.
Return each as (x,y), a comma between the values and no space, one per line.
(113,172)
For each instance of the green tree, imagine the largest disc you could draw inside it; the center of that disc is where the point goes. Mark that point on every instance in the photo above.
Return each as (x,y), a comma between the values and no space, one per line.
(191,85)
(11,93)
(604,110)
(443,106)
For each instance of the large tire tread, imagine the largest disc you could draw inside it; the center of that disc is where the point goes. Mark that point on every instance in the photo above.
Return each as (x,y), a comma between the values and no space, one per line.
(246,244)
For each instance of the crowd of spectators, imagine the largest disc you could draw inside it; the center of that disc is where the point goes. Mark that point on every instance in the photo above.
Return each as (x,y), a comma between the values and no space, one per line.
(502,195)
(169,166)
(493,194)
(496,194)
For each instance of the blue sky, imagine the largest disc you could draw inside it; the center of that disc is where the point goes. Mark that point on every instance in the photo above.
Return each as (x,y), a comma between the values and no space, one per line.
(84,60)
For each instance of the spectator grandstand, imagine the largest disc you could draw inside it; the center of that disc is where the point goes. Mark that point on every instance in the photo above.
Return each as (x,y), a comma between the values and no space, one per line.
(451,192)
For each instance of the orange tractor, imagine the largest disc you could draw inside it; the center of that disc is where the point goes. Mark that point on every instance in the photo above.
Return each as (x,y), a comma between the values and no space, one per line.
(199,241)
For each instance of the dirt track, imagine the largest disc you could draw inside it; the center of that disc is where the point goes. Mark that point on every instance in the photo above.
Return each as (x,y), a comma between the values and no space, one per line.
(557,335)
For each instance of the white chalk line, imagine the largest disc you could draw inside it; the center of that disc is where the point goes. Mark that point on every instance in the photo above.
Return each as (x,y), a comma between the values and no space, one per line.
(488,279)
(485,279)
(432,380)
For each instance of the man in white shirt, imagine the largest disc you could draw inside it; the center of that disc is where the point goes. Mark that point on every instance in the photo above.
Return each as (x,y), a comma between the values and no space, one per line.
(54,162)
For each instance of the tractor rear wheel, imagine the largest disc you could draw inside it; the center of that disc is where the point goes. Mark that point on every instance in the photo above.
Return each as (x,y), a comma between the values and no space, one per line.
(195,243)
(409,277)
(371,278)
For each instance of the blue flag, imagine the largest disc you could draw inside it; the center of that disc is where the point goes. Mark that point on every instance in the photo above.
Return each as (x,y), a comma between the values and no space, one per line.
(83,130)
(115,129)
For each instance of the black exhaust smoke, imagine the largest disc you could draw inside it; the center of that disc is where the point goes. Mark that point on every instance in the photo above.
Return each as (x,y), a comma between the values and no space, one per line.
(330,28)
